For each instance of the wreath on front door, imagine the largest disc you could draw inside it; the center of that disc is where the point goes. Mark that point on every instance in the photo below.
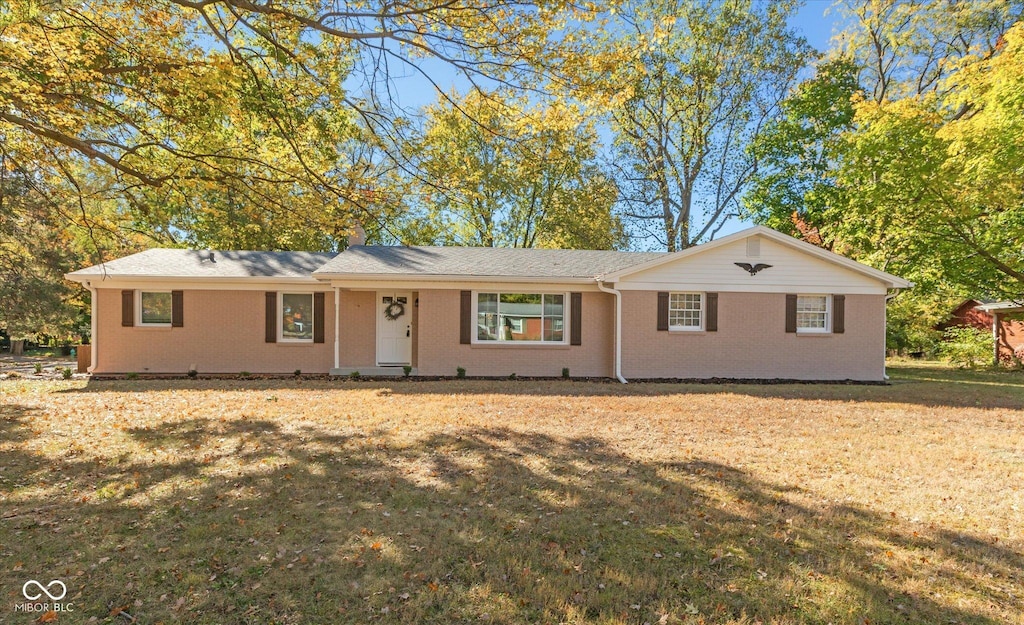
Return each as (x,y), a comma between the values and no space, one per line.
(394,310)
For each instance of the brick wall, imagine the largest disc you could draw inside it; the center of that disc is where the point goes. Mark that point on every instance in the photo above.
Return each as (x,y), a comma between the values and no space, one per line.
(751,342)
(224,332)
(440,353)
(358,331)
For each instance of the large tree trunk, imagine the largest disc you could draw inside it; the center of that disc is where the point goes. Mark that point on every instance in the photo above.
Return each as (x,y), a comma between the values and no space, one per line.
(17,347)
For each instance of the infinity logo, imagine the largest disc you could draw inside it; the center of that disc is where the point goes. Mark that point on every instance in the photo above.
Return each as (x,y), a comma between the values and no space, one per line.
(44,590)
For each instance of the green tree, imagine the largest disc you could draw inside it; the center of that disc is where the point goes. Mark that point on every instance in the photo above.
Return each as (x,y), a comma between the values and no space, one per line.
(796,189)
(687,87)
(499,172)
(909,47)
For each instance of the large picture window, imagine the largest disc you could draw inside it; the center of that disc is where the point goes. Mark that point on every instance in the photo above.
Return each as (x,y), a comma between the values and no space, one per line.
(155,308)
(524,317)
(297,317)
(812,313)
(684,311)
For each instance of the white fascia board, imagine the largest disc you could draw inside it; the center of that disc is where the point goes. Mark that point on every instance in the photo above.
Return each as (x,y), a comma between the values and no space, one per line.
(461,283)
(889,280)
(696,287)
(197,283)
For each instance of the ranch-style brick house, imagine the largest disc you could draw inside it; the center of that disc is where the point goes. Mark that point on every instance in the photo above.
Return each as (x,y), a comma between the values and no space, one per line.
(756,304)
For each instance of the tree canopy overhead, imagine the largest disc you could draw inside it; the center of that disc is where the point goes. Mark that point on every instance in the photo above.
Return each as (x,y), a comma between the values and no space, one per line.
(498,171)
(183,110)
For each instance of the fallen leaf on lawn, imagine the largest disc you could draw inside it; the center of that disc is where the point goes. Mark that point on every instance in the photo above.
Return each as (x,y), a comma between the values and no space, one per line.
(48,617)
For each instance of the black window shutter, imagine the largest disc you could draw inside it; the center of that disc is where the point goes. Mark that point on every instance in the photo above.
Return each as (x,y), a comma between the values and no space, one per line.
(790,313)
(662,311)
(127,308)
(177,309)
(466,317)
(576,311)
(711,315)
(271,325)
(318,317)
(838,314)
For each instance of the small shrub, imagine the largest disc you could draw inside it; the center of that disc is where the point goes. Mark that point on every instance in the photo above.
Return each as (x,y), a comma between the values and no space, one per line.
(192,373)
(460,372)
(354,375)
(298,372)
(966,347)
(565,372)
(245,375)
(407,370)
(66,373)
(132,376)
(511,376)
(38,367)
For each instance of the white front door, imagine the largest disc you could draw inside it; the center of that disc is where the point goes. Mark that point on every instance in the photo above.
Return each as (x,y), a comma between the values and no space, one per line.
(394,328)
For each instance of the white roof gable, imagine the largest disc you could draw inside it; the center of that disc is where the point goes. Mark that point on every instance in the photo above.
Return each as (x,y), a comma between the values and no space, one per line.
(796,266)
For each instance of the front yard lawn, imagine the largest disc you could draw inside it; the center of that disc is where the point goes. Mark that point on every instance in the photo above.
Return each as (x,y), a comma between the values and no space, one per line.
(290,501)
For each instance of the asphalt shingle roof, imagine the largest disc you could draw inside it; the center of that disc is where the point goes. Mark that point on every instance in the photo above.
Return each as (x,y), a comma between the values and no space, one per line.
(173,263)
(480,261)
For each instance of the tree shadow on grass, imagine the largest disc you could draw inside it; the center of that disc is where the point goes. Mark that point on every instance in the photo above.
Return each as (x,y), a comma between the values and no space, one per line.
(244,521)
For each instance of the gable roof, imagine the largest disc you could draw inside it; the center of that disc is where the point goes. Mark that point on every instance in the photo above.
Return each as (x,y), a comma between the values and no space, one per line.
(192,264)
(368,261)
(890,281)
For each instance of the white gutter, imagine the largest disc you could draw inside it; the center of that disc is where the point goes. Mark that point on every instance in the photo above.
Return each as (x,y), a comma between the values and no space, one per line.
(92,327)
(618,327)
(337,327)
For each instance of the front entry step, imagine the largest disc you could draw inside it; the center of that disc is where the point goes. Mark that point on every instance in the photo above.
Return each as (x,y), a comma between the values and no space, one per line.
(373,372)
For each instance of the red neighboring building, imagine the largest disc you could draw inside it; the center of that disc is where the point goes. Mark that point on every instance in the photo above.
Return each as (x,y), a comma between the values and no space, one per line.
(1004,319)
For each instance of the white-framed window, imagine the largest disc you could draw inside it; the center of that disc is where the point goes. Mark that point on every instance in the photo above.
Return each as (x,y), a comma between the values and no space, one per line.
(813,313)
(154,308)
(520,317)
(295,317)
(685,311)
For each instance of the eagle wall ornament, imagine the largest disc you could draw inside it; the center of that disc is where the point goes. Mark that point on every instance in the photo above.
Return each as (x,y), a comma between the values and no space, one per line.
(753,269)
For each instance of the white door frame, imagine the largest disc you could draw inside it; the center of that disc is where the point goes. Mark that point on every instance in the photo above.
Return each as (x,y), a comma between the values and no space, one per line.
(407,318)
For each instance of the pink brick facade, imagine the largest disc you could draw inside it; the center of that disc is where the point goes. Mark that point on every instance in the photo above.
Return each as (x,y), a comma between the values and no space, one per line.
(751,342)
(223,332)
(440,352)
(357,329)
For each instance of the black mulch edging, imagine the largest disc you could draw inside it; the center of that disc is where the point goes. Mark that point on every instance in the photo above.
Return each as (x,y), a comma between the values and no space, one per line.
(442,378)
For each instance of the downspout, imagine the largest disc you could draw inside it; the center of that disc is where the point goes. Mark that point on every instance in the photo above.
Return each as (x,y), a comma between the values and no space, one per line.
(92,327)
(618,327)
(337,328)
(888,296)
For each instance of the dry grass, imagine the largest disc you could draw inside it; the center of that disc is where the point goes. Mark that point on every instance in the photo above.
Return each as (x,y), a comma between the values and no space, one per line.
(511,502)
